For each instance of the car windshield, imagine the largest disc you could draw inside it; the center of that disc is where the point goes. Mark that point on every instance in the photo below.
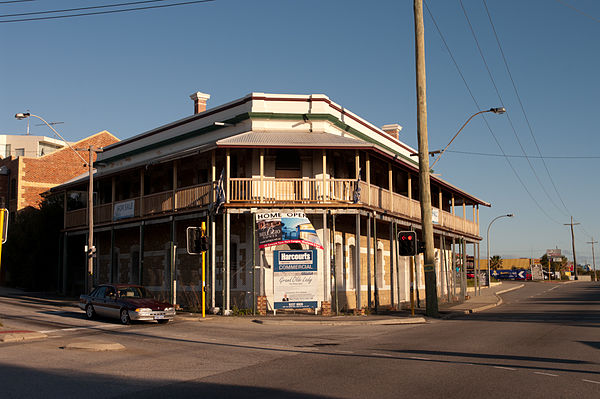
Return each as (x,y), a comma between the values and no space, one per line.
(134,292)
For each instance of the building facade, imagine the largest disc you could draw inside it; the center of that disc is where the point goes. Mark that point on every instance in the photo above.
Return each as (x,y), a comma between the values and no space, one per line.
(266,153)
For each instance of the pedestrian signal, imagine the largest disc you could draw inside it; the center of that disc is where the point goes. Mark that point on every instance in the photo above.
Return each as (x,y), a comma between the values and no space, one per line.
(407,243)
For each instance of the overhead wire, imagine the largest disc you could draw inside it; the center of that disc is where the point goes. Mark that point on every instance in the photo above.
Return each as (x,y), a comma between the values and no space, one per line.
(107,11)
(523,107)
(80,8)
(487,154)
(523,110)
(507,113)
(485,119)
(578,10)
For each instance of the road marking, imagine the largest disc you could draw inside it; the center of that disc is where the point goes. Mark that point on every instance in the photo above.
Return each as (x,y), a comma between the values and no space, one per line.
(504,368)
(344,352)
(81,328)
(593,382)
(382,354)
(548,374)
(419,358)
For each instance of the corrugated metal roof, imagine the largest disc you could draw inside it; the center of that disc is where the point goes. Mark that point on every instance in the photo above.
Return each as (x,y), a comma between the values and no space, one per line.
(287,139)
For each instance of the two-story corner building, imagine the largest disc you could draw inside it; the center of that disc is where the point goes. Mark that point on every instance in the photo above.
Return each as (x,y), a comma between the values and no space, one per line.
(265,153)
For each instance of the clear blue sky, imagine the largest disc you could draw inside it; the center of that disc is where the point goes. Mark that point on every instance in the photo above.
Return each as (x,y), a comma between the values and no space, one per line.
(130,72)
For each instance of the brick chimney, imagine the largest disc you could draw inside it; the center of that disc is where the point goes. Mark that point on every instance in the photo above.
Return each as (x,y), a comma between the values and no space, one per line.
(200,100)
(393,130)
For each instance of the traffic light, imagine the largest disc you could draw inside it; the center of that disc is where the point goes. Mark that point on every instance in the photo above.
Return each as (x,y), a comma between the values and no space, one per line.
(407,243)
(197,240)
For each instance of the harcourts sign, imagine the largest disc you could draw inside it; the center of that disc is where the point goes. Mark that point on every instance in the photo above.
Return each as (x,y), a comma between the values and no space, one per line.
(295,279)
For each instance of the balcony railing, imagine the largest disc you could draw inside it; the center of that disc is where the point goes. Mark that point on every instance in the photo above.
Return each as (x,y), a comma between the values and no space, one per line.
(270,191)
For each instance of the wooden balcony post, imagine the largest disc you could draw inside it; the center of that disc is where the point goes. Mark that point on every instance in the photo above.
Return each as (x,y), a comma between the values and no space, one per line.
(440,205)
(175,184)
(390,183)
(228,174)
(262,174)
(368,172)
(409,186)
(324,174)
(453,208)
(464,218)
(213,167)
(142,188)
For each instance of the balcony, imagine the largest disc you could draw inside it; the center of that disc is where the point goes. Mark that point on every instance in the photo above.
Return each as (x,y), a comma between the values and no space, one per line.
(290,192)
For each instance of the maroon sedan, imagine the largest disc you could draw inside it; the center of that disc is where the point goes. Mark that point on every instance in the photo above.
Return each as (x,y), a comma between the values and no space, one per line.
(125,302)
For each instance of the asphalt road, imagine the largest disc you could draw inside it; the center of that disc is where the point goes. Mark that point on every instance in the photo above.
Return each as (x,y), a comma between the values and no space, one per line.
(543,341)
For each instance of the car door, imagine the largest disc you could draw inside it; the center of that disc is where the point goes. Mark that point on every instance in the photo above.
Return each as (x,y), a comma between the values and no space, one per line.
(97,300)
(111,306)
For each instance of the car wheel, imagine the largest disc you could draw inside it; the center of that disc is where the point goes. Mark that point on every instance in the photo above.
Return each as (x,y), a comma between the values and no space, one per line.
(125,319)
(90,312)
(163,321)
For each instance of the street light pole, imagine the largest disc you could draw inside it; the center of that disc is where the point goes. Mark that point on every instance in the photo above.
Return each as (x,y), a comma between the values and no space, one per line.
(594,258)
(499,110)
(90,252)
(509,215)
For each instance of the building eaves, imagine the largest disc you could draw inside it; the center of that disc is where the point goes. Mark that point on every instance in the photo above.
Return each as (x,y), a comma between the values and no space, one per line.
(292,139)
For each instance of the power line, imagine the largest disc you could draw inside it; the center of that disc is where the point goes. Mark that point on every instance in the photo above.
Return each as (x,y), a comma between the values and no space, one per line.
(508,113)
(80,8)
(107,12)
(523,156)
(486,121)
(522,107)
(578,10)
(15,1)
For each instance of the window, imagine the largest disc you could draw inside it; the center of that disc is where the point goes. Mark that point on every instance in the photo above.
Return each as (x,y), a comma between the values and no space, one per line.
(5,150)
(19,152)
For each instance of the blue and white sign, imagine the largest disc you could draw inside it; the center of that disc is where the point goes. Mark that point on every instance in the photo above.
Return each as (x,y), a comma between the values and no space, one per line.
(124,210)
(295,283)
(505,274)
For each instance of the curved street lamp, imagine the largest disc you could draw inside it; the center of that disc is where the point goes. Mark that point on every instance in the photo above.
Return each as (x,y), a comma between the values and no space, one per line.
(489,261)
(499,110)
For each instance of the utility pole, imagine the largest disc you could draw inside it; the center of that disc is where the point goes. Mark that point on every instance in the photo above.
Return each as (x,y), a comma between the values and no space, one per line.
(91,250)
(593,257)
(424,184)
(573,244)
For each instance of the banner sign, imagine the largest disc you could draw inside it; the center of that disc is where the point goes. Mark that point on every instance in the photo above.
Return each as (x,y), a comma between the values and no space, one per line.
(553,253)
(505,274)
(295,283)
(123,210)
(277,228)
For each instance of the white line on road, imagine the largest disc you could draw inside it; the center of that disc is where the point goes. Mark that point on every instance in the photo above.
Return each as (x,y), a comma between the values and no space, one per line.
(419,358)
(504,368)
(593,382)
(344,352)
(382,354)
(82,328)
(548,374)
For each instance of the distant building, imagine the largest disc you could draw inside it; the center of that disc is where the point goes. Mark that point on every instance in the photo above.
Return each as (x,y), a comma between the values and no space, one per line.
(35,164)
(18,145)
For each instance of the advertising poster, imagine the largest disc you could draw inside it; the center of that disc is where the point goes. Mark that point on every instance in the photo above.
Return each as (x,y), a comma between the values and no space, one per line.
(277,228)
(295,279)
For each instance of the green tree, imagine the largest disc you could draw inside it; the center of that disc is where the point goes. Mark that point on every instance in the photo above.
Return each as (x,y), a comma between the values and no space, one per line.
(496,262)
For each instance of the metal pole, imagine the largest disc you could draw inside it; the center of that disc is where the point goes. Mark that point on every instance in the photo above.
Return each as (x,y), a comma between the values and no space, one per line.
(594,257)
(375,265)
(90,252)
(253,263)
(573,244)
(424,183)
(369,261)
(335,269)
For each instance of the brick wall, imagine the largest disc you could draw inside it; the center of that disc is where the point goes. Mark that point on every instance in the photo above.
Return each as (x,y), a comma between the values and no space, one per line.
(37,175)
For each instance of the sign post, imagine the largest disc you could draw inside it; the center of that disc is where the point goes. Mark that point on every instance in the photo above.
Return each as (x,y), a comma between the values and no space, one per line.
(4,227)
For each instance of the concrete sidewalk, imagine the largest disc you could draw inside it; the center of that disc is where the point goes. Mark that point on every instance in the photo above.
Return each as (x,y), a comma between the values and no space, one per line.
(487,298)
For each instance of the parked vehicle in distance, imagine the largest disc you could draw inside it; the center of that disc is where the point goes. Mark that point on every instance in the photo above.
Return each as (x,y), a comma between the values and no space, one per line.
(125,302)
